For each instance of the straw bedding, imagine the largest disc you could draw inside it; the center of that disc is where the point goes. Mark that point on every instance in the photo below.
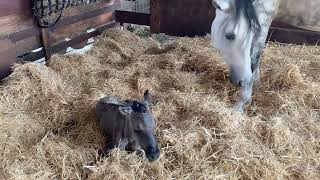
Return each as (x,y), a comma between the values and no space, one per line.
(47,122)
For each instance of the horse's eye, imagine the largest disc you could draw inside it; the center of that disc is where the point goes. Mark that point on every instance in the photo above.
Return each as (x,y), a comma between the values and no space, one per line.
(230,36)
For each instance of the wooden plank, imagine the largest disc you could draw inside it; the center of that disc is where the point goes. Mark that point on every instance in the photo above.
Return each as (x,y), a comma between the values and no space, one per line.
(80,45)
(7,56)
(63,45)
(20,27)
(132,17)
(284,25)
(32,56)
(63,32)
(21,24)
(293,36)
(82,37)
(90,7)
(28,38)
(85,14)
(21,35)
(26,45)
(9,7)
(23,7)
(20,47)
(14,23)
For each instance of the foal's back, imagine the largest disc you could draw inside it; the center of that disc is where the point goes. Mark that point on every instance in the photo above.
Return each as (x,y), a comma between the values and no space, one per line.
(109,117)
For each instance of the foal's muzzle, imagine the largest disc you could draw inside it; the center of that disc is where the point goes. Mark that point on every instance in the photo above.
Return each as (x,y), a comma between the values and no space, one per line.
(152,153)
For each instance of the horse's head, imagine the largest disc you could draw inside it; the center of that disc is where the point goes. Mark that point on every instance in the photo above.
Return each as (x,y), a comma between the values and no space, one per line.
(233,32)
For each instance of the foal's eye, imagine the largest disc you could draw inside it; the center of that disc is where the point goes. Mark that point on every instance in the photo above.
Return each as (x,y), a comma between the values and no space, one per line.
(230,36)
(138,131)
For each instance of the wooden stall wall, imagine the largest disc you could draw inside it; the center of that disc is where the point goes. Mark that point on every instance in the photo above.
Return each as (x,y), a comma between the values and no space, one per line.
(19,33)
(181,17)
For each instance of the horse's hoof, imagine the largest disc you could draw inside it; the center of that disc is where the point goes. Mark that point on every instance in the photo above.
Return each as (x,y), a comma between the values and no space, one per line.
(238,124)
(239,108)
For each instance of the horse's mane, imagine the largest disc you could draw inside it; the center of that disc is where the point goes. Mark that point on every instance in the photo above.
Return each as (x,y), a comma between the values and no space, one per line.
(246,8)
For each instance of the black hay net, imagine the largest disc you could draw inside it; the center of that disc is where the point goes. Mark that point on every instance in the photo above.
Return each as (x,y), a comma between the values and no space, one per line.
(48,12)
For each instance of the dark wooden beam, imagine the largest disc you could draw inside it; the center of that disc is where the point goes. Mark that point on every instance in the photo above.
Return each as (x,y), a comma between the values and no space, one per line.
(132,17)
(32,56)
(293,36)
(20,35)
(181,17)
(279,24)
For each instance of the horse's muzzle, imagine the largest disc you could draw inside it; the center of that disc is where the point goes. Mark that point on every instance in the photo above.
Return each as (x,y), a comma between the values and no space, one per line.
(235,79)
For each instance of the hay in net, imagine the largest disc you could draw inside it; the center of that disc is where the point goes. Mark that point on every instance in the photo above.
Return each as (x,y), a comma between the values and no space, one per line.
(47,121)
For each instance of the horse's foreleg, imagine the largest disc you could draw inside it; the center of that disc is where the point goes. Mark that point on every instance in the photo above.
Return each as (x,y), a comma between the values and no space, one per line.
(244,97)
(256,77)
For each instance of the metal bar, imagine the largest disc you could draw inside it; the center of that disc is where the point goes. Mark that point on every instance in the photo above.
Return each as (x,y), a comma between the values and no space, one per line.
(57,6)
(32,56)
(50,7)
(42,9)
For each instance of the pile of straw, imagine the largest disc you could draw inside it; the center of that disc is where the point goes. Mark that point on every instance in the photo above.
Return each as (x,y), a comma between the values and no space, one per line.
(47,122)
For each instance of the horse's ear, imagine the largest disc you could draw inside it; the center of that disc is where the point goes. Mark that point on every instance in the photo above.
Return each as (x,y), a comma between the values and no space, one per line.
(125,110)
(223,5)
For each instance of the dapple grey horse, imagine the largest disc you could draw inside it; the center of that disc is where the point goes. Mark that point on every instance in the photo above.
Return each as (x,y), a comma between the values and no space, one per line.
(240,29)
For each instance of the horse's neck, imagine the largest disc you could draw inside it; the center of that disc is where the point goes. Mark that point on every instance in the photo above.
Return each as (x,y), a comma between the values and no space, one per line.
(304,14)
(266,11)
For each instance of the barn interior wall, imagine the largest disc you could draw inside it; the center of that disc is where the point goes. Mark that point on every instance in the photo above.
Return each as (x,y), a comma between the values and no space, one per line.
(22,39)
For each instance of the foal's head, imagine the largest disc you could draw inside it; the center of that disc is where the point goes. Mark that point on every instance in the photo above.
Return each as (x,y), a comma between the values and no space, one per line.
(233,33)
(142,126)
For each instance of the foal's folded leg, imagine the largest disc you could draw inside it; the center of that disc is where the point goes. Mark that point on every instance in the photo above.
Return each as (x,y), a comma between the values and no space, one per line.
(106,150)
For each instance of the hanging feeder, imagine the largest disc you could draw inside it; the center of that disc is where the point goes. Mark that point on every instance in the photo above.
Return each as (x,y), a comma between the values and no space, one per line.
(48,12)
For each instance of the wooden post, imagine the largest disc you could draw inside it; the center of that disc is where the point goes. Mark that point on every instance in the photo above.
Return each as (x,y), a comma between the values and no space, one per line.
(46,42)
(155,16)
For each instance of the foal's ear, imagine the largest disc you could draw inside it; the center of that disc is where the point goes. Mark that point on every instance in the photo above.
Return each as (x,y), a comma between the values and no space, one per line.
(223,5)
(146,96)
(125,110)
